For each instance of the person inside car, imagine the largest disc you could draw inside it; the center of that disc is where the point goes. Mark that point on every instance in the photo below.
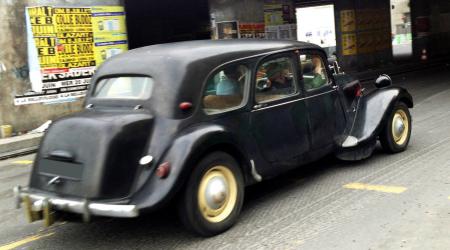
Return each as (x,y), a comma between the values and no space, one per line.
(278,77)
(318,71)
(231,81)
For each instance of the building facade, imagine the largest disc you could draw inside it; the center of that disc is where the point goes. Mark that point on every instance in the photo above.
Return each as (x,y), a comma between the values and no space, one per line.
(364,35)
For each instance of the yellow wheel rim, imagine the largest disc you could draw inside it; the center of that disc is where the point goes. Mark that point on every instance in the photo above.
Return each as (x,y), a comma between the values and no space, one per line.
(400,127)
(217,194)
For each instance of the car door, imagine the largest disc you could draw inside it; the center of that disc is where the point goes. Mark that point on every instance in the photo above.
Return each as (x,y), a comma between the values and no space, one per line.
(279,117)
(322,100)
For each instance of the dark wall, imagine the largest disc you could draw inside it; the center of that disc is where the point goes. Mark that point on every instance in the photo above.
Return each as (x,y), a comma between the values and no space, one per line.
(156,21)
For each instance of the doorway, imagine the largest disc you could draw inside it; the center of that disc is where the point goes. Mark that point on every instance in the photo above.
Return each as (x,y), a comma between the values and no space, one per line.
(401,29)
(316,25)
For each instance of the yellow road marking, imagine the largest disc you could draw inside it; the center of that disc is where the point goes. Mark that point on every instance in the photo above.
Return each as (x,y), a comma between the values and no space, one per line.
(379,188)
(24,241)
(23,162)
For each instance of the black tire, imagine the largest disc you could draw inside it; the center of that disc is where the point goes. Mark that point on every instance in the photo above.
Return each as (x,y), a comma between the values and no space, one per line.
(197,219)
(389,141)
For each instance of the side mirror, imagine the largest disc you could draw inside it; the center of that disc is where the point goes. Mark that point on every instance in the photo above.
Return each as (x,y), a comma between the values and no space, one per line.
(334,65)
(383,81)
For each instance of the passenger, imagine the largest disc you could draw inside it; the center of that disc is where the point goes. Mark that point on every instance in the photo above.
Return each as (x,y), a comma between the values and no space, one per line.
(231,82)
(319,73)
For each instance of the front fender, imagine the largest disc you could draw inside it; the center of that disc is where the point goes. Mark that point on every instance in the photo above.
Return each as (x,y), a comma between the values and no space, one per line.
(185,149)
(374,111)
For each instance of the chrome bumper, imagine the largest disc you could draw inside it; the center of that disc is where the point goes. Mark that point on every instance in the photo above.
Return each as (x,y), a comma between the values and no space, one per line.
(36,203)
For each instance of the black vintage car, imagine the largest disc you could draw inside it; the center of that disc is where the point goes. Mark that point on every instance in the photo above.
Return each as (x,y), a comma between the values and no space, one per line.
(196,122)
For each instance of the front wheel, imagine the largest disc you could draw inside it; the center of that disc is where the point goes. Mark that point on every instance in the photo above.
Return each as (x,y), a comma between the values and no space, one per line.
(213,197)
(395,136)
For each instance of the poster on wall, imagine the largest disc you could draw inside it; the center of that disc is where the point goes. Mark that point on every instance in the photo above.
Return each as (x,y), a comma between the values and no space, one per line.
(252,30)
(227,30)
(349,45)
(110,34)
(273,14)
(66,45)
(348,20)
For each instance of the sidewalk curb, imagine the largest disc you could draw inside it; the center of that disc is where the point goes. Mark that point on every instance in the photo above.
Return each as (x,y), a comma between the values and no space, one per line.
(19,145)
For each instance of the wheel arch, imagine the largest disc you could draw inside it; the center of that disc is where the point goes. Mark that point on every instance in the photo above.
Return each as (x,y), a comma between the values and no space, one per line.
(375,110)
(233,151)
(183,154)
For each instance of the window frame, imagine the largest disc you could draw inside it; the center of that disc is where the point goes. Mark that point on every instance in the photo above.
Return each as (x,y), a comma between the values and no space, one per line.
(245,89)
(320,54)
(94,88)
(296,79)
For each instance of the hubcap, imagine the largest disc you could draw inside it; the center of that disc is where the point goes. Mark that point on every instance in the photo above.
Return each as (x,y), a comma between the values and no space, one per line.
(400,127)
(217,194)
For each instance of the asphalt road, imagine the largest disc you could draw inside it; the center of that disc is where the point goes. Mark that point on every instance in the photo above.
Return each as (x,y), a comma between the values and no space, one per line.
(402,201)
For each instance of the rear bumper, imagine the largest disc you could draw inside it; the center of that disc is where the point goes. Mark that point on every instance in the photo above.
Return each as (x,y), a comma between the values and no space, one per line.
(36,203)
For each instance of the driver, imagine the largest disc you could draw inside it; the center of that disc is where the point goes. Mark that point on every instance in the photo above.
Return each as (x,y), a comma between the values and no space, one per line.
(278,76)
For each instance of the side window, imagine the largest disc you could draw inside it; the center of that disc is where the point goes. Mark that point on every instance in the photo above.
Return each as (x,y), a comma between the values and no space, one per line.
(225,89)
(275,80)
(314,71)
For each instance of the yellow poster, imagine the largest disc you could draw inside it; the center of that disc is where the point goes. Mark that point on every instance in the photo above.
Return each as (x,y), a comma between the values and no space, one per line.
(349,45)
(75,37)
(43,28)
(41,20)
(348,21)
(110,32)
(66,45)
(273,14)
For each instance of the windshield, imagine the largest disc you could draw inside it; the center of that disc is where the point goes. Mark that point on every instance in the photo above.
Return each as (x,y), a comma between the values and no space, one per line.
(124,88)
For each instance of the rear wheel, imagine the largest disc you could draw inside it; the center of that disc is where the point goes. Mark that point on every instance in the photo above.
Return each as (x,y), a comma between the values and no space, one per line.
(213,197)
(395,136)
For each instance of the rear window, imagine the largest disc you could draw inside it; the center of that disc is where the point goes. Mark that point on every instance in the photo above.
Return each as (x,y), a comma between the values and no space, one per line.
(127,87)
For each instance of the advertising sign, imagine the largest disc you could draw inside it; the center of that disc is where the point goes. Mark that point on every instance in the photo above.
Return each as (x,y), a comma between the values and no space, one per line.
(65,45)
(348,21)
(252,30)
(349,45)
(228,30)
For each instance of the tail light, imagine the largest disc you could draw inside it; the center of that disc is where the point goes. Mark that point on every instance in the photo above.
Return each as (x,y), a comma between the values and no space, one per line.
(358,90)
(163,170)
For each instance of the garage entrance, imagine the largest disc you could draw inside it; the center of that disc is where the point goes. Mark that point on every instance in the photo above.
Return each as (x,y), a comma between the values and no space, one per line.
(401,29)
(153,22)
(316,24)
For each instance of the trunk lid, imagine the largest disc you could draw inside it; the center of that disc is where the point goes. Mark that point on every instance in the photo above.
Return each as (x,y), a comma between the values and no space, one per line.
(92,155)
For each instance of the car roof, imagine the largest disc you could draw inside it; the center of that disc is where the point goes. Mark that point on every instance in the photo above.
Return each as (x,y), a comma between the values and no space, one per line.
(179,69)
(147,60)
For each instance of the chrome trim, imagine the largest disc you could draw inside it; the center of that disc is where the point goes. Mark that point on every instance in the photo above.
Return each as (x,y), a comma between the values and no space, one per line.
(350,141)
(296,100)
(54,180)
(17,199)
(83,207)
(255,173)
(145,160)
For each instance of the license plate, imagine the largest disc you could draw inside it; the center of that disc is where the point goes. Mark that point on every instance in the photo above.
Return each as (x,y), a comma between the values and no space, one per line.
(68,170)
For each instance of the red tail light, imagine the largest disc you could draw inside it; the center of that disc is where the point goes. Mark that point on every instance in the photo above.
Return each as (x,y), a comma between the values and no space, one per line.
(185,105)
(163,170)
(358,90)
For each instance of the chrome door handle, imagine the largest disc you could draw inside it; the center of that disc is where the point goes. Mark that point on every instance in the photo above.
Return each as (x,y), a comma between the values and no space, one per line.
(258,106)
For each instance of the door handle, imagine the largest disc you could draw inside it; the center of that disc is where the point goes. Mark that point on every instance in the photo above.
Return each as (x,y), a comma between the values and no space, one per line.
(336,87)
(258,106)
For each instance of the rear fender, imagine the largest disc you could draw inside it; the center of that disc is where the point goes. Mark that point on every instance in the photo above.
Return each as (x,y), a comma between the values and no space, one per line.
(374,110)
(186,149)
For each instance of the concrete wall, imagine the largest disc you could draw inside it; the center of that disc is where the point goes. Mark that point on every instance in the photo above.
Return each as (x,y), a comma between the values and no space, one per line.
(14,69)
